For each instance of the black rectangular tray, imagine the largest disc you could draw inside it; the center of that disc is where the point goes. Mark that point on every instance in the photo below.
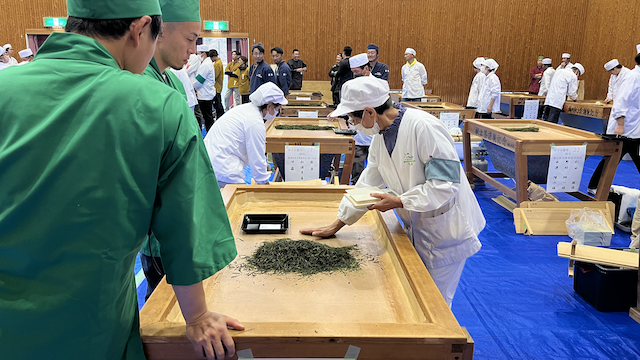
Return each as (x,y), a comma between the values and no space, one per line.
(265,223)
(344,131)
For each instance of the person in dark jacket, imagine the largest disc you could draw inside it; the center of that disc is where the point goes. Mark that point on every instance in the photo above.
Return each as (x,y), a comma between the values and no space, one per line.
(260,72)
(344,73)
(334,80)
(378,69)
(298,67)
(283,71)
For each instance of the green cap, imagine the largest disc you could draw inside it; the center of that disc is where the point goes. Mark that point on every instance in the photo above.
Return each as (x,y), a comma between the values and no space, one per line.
(540,57)
(180,10)
(112,9)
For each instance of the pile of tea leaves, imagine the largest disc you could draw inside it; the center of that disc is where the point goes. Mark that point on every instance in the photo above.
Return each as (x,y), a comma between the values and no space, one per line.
(303,127)
(302,257)
(524,129)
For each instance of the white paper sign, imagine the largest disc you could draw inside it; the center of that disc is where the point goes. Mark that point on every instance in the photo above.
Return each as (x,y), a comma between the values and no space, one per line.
(301,163)
(449,119)
(308,114)
(303,97)
(531,109)
(565,168)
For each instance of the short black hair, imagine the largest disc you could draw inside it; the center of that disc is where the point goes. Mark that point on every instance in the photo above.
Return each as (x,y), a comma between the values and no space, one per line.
(347,50)
(339,54)
(259,47)
(262,107)
(379,110)
(109,29)
(638,59)
(278,50)
(294,50)
(212,53)
(619,66)
(235,52)
(244,59)
(364,66)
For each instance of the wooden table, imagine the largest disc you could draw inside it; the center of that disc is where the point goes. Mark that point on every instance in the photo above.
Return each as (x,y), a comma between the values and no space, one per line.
(524,144)
(330,142)
(435,108)
(390,309)
(295,106)
(304,95)
(634,312)
(586,115)
(397,97)
(512,103)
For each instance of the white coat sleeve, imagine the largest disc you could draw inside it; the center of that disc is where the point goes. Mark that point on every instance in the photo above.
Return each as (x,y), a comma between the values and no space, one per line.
(472,100)
(255,144)
(423,75)
(434,193)
(624,93)
(572,92)
(403,72)
(611,85)
(200,75)
(349,214)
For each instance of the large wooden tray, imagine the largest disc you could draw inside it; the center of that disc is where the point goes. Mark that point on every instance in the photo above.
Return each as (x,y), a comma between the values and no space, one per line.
(295,106)
(391,309)
(586,115)
(330,142)
(436,108)
(304,95)
(397,97)
(512,103)
(524,144)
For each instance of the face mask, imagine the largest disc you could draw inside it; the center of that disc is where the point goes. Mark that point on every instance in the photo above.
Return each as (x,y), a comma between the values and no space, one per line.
(268,116)
(484,71)
(375,130)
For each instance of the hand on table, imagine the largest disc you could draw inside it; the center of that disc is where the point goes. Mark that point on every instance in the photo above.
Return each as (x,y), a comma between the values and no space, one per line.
(209,335)
(325,231)
(386,203)
(608,100)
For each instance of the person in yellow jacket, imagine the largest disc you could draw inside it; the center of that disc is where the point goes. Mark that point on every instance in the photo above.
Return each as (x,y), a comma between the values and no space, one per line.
(242,71)
(218,69)
(232,85)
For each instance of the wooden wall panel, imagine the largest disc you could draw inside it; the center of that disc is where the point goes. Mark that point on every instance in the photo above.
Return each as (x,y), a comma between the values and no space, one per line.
(447,35)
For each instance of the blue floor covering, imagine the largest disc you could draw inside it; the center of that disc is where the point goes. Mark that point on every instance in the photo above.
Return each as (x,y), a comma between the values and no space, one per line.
(517,301)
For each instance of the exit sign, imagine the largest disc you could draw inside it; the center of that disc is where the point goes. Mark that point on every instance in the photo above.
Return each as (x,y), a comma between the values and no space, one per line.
(216,25)
(54,22)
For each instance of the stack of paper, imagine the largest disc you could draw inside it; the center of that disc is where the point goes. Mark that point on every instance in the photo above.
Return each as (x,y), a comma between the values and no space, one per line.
(361,197)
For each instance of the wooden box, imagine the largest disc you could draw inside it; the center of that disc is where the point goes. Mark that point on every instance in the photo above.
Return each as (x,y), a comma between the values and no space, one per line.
(391,309)
(397,97)
(436,108)
(295,106)
(304,96)
(587,115)
(512,103)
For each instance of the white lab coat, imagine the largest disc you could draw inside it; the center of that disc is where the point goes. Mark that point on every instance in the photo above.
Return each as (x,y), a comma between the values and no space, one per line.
(13,61)
(613,82)
(491,89)
(237,139)
(414,79)
(627,104)
(476,87)
(182,74)
(4,65)
(192,66)
(545,81)
(568,67)
(563,84)
(441,240)
(206,90)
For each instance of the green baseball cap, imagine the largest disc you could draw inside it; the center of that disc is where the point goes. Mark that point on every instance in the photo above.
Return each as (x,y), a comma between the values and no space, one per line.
(180,10)
(112,9)
(540,57)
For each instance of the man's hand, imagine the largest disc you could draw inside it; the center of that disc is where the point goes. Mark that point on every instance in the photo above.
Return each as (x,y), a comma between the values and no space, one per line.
(537,76)
(608,100)
(620,128)
(386,203)
(325,231)
(209,335)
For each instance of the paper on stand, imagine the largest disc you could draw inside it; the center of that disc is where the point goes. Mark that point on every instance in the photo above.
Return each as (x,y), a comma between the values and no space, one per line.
(308,114)
(531,109)
(302,162)
(449,119)
(565,168)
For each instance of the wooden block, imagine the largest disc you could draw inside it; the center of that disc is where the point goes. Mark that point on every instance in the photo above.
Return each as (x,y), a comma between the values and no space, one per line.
(468,354)
(635,314)
(598,255)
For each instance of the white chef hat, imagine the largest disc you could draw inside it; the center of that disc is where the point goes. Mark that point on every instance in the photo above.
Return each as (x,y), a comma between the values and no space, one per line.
(478,62)
(25,53)
(638,48)
(566,55)
(267,93)
(491,64)
(361,92)
(202,48)
(410,51)
(358,60)
(611,64)
(579,67)
(546,61)
(5,47)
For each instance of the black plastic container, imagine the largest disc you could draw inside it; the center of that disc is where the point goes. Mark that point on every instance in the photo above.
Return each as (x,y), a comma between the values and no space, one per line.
(607,288)
(265,223)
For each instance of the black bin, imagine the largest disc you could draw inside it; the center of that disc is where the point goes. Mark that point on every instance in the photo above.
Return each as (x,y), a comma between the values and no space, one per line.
(607,288)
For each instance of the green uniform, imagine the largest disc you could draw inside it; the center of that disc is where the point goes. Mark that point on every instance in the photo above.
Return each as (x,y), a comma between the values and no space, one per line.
(91,160)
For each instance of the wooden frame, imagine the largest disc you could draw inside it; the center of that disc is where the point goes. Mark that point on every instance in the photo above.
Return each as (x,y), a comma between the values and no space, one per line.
(446,108)
(524,144)
(427,330)
(397,97)
(297,95)
(291,110)
(514,103)
(586,115)
(330,143)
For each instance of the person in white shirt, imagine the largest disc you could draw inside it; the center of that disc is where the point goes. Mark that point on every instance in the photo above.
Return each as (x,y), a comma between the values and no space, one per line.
(476,84)
(26,55)
(360,67)
(239,137)
(413,155)
(566,62)
(204,84)
(414,77)
(618,72)
(489,98)
(193,64)
(183,75)
(563,84)
(8,49)
(547,75)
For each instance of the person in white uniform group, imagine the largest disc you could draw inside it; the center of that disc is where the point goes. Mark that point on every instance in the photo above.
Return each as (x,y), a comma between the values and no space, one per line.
(489,98)
(239,138)
(414,156)
(547,75)
(566,62)
(26,55)
(476,84)
(8,49)
(360,67)
(618,72)
(183,75)
(563,84)
(5,61)
(414,77)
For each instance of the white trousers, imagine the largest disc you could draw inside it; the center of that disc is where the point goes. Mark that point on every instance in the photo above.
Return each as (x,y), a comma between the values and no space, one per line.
(232,93)
(447,278)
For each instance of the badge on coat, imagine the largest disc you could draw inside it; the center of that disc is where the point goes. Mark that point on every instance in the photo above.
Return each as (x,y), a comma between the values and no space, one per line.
(408,159)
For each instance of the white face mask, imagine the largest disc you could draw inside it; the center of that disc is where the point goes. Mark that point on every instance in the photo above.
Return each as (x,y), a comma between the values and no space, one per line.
(484,70)
(375,130)
(268,116)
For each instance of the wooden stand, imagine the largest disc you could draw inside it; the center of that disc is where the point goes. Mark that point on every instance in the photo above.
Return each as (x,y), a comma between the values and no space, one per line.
(295,106)
(586,115)
(390,309)
(304,95)
(512,104)
(536,143)
(397,97)
(330,142)
(635,312)
(436,108)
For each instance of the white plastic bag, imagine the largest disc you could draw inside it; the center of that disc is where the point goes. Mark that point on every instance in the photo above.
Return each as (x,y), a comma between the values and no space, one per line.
(588,227)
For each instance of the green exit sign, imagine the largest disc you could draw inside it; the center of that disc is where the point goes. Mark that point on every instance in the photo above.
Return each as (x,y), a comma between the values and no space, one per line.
(215,25)
(54,22)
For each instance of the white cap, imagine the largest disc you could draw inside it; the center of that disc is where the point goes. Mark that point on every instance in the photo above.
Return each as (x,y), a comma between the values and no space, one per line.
(361,92)
(546,61)
(566,55)
(202,48)
(478,62)
(4,48)
(25,53)
(638,48)
(268,93)
(611,64)
(358,60)
(579,67)
(410,51)
(491,64)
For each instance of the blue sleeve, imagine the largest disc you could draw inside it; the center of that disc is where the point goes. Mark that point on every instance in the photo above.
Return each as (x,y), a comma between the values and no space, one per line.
(267,75)
(442,169)
(385,73)
(286,79)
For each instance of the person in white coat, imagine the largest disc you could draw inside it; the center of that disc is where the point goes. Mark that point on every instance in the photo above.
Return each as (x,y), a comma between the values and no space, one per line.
(8,50)
(489,98)
(183,75)
(205,87)
(26,55)
(618,72)
(547,75)
(476,84)
(564,84)
(566,62)
(413,154)
(239,137)
(360,67)
(624,120)
(414,77)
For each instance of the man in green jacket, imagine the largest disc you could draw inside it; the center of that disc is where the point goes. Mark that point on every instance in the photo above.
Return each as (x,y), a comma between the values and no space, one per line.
(105,156)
